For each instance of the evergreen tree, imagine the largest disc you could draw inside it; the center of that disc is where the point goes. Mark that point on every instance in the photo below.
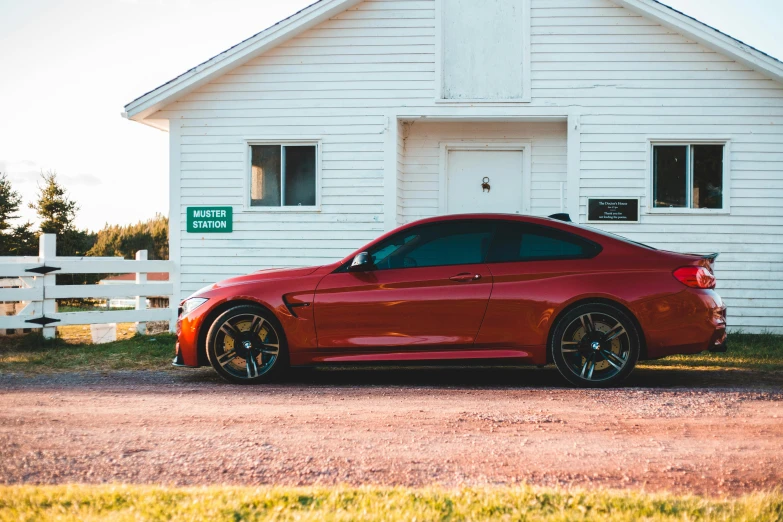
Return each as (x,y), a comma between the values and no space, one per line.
(117,240)
(54,207)
(19,240)
(9,203)
(58,212)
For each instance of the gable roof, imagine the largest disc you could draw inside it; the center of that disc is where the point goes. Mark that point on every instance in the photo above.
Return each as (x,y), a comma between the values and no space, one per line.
(147,104)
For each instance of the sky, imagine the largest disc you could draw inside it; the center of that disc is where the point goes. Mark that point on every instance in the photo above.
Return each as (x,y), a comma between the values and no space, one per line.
(68,67)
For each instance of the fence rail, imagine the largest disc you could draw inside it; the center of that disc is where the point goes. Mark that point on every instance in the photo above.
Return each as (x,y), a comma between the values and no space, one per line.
(38,289)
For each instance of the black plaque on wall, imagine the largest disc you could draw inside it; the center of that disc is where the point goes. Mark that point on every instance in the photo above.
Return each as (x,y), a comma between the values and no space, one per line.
(613,210)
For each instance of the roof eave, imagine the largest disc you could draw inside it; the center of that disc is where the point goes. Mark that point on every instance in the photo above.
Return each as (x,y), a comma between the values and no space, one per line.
(707,36)
(146,105)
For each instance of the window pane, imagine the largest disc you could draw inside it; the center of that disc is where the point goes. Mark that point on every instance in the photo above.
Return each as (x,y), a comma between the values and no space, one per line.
(265,178)
(519,242)
(444,244)
(535,246)
(670,168)
(707,176)
(299,176)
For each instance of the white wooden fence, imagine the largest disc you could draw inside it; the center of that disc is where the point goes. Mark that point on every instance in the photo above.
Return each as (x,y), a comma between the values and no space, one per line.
(39,289)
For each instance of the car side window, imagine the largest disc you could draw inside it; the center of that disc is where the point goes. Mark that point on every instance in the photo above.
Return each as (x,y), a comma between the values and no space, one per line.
(524,242)
(437,244)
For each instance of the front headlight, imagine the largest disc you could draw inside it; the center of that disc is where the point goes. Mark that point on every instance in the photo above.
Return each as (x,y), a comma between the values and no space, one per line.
(188,305)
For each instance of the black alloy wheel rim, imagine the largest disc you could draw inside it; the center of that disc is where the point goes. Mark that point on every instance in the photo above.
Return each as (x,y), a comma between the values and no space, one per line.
(595,347)
(247,346)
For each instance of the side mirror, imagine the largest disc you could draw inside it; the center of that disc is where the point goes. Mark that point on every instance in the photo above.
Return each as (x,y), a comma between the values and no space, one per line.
(361,263)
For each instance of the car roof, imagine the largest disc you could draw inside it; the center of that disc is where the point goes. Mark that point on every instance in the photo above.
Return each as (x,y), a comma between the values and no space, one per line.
(498,216)
(595,235)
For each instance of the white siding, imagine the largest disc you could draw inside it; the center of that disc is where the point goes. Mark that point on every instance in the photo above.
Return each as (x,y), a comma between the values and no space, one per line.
(422,158)
(629,77)
(635,79)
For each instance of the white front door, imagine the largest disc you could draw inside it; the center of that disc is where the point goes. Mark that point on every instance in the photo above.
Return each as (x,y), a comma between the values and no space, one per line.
(503,172)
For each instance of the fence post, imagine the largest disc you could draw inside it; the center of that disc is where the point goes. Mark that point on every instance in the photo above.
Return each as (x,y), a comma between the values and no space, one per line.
(141,300)
(47,252)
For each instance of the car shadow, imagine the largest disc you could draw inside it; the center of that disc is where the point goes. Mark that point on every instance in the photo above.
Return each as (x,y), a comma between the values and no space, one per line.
(464,377)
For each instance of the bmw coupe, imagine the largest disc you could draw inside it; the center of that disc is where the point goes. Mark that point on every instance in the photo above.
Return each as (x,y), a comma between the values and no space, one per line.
(468,289)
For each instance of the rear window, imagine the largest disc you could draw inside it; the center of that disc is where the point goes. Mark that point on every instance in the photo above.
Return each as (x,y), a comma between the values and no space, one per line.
(525,242)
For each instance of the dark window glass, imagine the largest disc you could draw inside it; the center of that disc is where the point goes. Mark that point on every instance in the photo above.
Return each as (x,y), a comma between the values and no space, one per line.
(299,176)
(265,181)
(522,242)
(707,176)
(441,244)
(670,174)
(278,171)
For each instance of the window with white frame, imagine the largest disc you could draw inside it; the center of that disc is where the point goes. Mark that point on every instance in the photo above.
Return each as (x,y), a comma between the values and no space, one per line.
(283,175)
(688,176)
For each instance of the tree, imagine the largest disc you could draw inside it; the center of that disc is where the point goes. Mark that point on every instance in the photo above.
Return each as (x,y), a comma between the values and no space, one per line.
(58,213)
(56,210)
(9,203)
(19,240)
(117,240)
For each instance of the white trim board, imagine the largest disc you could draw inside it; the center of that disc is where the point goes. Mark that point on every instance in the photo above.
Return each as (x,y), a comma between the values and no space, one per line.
(525,147)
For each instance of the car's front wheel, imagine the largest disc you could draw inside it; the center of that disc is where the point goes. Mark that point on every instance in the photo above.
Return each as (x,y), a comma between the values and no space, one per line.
(246,345)
(595,345)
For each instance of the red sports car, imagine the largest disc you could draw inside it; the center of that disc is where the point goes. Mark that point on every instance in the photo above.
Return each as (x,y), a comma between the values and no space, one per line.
(468,288)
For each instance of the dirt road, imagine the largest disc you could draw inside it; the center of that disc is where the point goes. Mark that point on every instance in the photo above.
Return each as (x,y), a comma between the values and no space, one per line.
(684,431)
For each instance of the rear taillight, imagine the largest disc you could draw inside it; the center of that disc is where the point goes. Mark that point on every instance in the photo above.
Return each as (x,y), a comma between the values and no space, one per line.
(695,277)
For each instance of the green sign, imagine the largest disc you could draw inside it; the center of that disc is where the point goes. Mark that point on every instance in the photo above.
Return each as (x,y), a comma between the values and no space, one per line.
(207,220)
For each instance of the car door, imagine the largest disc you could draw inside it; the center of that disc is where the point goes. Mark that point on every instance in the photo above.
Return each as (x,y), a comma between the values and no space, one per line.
(428,287)
(533,268)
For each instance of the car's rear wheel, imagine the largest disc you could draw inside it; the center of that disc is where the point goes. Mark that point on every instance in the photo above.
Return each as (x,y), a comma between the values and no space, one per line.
(595,345)
(246,345)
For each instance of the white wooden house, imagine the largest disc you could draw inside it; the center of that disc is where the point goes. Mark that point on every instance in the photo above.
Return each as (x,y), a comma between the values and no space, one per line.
(354,116)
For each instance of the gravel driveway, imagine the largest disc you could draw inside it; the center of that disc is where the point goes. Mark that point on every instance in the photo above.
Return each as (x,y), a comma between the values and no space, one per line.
(705,432)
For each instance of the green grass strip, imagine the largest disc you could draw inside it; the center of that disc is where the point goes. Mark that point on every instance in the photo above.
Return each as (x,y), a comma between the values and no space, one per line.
(120,503)
(31,354)
(746,351)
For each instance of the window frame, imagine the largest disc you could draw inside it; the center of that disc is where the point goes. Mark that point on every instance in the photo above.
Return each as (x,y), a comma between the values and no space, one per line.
(726,179)
(248,174)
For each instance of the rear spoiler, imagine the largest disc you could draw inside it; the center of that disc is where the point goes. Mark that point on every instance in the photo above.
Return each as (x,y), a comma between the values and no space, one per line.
(709,258)
(562,217)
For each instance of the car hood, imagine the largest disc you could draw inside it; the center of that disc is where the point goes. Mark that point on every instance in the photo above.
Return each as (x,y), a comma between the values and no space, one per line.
(269,274)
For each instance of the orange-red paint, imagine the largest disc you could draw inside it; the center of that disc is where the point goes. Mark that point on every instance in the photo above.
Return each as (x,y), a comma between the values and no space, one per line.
(507,312)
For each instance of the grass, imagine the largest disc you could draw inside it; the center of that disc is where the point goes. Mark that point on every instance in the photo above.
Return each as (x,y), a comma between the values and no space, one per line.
(122,502)
(30,354)
(746,351)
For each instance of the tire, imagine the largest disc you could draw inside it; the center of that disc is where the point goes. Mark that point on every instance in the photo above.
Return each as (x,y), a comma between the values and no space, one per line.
(595,345)
(246,345)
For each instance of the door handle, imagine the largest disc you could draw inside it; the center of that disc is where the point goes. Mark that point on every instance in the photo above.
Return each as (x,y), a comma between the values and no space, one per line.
(465,277)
